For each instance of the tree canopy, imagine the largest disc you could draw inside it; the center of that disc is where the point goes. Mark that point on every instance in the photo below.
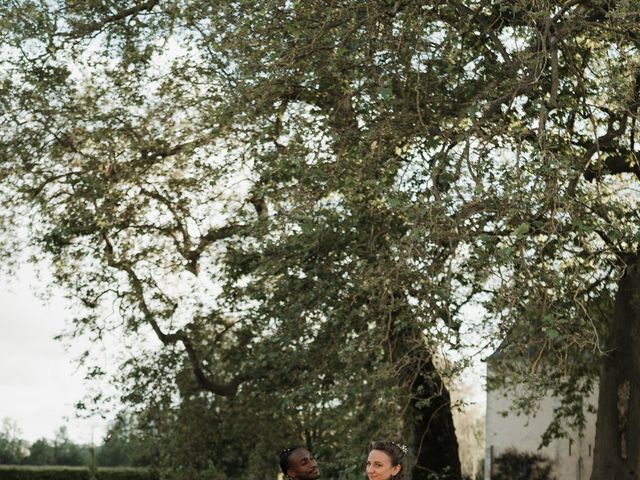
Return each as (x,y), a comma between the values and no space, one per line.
(287,207)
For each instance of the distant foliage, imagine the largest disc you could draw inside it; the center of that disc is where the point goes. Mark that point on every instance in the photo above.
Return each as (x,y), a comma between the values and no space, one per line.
(120,448)
(123,447)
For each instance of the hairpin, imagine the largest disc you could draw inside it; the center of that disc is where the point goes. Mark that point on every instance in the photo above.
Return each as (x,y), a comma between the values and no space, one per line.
(401,446)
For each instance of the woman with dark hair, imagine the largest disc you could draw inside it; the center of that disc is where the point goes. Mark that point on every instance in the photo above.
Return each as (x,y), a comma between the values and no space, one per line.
(298,463)
(386,461)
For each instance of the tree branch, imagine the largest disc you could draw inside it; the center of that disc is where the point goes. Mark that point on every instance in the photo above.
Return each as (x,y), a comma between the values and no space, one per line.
(212,236)
(180,336)
(613,165)
(598,144)
(116,17)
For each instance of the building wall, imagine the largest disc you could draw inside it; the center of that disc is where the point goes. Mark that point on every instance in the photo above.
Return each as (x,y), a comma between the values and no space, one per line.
(572,458)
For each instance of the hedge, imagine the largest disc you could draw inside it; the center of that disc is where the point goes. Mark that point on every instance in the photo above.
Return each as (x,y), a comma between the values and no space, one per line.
(19,472)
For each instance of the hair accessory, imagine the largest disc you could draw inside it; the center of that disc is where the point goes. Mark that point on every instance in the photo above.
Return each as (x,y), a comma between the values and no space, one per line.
(401,446)
(287,451)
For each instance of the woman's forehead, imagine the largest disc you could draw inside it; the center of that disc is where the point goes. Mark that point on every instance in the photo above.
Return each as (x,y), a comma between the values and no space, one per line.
(379,456)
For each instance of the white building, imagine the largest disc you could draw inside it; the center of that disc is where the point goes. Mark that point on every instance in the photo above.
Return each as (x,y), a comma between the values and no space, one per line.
(570,458)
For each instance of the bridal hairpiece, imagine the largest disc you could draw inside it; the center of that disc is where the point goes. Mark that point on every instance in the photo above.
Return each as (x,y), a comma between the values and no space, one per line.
(401,446)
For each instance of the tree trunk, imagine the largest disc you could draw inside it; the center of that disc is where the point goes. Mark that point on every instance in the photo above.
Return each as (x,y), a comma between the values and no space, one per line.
(617,446)
(428,420)
(434,437)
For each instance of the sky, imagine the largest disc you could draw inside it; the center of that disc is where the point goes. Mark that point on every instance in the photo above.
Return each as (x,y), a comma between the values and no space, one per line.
(39,381)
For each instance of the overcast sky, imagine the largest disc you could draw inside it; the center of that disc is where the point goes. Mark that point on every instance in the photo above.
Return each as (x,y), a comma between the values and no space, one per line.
(39,382)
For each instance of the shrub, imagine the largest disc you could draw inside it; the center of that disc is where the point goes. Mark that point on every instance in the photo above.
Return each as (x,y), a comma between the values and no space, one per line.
(15,472)
(514,465)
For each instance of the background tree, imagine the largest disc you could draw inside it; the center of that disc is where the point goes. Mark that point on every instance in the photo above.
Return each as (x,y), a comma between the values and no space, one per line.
(12,447)
(41,452)
(66,452)
(123,445)
(557,265)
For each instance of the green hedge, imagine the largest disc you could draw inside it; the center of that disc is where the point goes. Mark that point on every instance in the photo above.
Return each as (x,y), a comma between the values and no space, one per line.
(19,472)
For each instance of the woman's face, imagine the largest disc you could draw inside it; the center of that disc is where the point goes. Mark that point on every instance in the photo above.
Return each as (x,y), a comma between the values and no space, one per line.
(379,466)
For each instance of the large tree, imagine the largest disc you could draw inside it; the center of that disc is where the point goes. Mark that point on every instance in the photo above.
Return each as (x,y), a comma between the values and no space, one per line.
(558,261)
(229,178)
(298,199)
